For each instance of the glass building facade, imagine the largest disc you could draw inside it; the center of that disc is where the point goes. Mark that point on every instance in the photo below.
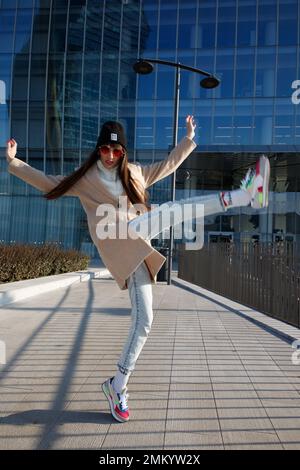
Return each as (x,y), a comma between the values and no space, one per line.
(66,67)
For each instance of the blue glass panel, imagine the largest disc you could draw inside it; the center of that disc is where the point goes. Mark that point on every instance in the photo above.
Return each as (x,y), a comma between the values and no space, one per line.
(243,122)
(112,27)
(149,22)
(207,25)
(244,79)
(4,121)
(58,30)
(76,28)
(36,125)
(222,123)
(167,29)
(165,82)
(267,24)
(284,121)
(94,20)
(6,42)
(288,20)
(164,125)
(20,77)
(8,3)
(145,132)
(265,72)
(7,21)
(26,3)
(91,80)
(187,26)
(286,71)
(263,122)
(203,114)
(224,69)
(130,28)
(19,119)
(204,61)
(246,34)
(226,26)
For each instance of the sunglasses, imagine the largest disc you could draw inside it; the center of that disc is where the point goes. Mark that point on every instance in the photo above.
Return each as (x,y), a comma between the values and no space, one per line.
(105,149)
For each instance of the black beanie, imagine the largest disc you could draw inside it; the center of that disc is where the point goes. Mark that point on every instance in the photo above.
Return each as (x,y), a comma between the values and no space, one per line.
(112,132)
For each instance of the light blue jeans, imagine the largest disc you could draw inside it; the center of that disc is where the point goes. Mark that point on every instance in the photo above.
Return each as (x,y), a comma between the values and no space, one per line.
(139,283)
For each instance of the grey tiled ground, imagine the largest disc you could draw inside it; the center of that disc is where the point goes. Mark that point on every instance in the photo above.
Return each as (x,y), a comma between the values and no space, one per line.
(207,377)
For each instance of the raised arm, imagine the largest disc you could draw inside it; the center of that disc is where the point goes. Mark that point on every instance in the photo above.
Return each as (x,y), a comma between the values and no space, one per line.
(159,170)
(30,175)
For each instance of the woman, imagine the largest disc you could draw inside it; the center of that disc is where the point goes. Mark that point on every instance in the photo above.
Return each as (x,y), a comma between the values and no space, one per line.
(101,180)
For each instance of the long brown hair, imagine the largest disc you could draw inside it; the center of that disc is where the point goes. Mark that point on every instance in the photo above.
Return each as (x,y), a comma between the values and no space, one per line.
(135,192)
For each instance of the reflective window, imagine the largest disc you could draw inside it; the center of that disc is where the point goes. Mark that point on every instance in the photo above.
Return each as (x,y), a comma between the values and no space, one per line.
(286,70)
(19,119)
(7,21)
(203,112)
(287,28)
(165,82)
(36,125)
(226,26)
(222,123)
(206,25)
(224,68)
(20,77)
(187,26)
(149,22)
(6,43)
(265,72)
(284,122)
(111,33)
(76,28)
(38,77)
(40,31)
(3,125)
(246,33)
(267,15)
(167,28)
(244,78)
(58,30)
(242,121)
(263,122)
(204,61)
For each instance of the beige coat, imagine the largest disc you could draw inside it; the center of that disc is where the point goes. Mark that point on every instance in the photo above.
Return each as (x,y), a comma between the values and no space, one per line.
(121,256)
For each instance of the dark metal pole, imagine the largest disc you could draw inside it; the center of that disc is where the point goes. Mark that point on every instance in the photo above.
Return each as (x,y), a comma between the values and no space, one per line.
(175,138)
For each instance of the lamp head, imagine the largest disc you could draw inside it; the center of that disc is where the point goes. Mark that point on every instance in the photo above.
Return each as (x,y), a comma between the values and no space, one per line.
(210,82)
(143,67)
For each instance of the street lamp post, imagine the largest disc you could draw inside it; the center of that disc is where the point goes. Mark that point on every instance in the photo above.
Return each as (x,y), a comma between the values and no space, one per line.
(144,67)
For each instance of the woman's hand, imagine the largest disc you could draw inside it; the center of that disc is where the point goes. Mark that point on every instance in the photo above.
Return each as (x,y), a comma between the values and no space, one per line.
(11,150)
(190,126)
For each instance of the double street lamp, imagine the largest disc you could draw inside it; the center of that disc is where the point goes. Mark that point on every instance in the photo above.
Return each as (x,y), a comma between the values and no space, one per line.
(144,67)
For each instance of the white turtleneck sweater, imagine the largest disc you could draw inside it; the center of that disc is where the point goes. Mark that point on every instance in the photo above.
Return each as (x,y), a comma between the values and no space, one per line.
(111,179)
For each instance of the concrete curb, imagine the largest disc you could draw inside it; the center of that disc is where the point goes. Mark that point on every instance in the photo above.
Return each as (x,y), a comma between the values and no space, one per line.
(20,290)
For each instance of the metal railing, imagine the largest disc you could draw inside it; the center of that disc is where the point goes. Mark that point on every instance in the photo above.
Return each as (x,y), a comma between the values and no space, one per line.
(264,276)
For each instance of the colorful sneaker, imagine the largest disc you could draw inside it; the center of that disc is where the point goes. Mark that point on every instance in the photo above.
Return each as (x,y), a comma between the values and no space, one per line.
(117,401)
(256,183)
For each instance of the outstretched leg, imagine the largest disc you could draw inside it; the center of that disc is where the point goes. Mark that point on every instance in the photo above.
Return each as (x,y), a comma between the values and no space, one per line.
(253,190)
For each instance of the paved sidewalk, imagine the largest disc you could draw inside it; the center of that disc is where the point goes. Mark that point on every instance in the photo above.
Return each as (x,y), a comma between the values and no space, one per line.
(207,378)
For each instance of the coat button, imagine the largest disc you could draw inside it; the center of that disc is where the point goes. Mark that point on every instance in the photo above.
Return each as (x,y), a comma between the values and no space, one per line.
(138,212)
